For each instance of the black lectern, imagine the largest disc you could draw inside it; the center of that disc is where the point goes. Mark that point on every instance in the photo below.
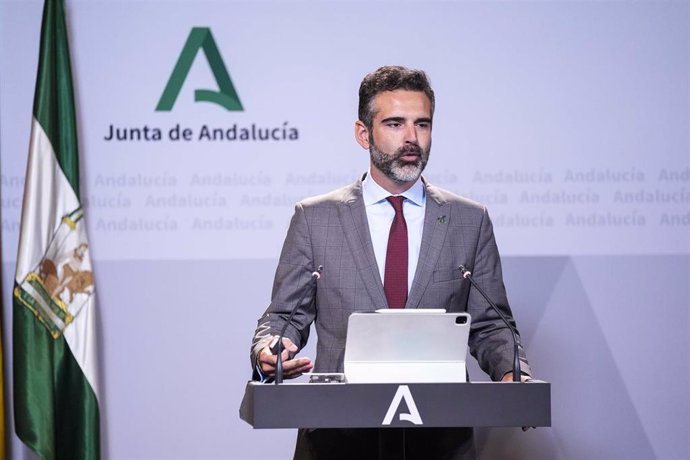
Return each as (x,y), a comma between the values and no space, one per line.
(381,405)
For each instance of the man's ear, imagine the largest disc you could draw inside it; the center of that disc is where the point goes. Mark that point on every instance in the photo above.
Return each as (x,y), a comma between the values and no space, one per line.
(362,134)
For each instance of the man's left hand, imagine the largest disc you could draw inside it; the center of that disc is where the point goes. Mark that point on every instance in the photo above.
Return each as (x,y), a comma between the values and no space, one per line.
(508,377)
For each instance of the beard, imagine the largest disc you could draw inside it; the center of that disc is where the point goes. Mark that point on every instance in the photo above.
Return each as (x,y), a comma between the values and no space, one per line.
(394,167)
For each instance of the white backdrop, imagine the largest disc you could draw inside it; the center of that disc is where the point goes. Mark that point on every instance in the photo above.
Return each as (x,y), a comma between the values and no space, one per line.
(569,120)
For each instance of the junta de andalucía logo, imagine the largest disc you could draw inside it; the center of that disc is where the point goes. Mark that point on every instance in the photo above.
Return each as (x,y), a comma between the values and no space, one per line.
(200,38)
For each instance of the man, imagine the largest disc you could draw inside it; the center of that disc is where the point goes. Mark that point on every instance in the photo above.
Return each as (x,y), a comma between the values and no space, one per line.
(380,251)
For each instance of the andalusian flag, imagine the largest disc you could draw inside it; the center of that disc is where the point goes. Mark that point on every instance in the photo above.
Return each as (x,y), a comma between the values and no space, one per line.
(55,384)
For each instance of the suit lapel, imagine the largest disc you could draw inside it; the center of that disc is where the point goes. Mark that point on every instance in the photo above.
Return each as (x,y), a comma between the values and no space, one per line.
(436,218)
(353,219)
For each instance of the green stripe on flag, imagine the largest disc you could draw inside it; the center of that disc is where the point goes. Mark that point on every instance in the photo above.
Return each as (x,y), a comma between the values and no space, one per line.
(54,99)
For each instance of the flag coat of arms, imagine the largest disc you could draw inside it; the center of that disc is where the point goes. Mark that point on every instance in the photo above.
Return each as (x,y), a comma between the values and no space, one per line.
(56,407)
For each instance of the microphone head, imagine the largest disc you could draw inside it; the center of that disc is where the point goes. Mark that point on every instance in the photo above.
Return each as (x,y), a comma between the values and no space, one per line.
(317,274)
(464,271)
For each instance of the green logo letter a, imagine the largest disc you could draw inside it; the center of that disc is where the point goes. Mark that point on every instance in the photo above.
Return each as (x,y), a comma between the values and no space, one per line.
(200,37)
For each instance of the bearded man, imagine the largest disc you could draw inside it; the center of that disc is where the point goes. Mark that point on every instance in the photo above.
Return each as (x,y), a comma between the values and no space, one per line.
(350,232)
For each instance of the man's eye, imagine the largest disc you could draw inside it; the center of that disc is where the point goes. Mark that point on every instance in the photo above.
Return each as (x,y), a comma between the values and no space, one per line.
(394,124)
(424,125)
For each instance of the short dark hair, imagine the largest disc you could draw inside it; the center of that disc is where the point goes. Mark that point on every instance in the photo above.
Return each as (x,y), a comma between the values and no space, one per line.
(390,78)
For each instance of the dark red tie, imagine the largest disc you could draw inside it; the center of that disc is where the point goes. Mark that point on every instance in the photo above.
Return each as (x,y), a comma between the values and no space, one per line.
(395,275)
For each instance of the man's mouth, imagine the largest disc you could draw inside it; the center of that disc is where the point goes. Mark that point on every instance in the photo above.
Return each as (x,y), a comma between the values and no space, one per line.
(410,154)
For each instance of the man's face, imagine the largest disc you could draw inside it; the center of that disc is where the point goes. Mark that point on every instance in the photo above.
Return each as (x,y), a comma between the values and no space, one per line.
(399,140)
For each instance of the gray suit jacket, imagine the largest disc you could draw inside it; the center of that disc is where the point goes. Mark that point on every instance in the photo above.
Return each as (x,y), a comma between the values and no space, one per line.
(332,230)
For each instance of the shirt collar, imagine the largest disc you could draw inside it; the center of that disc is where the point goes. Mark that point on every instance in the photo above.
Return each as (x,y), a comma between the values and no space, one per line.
(373,193)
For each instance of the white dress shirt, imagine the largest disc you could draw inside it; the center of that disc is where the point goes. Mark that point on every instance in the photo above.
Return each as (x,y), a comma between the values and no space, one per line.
(380,216)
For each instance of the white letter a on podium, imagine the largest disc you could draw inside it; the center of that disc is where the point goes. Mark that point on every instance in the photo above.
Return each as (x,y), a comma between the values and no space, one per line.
(413,416)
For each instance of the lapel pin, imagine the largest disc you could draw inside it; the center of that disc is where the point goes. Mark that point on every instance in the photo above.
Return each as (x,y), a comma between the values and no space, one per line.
(441,220)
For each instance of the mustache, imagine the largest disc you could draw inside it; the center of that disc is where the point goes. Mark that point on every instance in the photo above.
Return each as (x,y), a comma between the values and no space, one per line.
(408,149)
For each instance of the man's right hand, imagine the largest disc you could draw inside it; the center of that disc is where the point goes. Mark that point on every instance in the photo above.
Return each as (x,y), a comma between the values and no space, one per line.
(291,367)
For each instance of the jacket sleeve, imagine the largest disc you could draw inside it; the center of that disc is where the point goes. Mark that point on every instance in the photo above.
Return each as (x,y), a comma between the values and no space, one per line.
(292,281)
(491,341)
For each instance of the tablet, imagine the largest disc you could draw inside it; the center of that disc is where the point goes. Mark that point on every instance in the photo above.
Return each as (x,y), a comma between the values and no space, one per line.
(407,346)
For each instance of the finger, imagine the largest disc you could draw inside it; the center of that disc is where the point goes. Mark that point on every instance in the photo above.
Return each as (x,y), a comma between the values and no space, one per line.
(266,357)
(296,363)
(289,346)
(298,371)
(290,369)
(267,361)
(268,369)
(297,366)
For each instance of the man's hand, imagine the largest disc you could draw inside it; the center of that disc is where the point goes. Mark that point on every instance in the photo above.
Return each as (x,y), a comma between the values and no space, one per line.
(291,367)
(508,377)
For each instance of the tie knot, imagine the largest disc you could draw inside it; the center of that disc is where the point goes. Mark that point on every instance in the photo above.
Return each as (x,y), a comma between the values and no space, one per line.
(396,202)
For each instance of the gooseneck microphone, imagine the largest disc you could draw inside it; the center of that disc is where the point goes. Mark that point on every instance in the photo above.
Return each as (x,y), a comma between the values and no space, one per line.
(516,341)
(277,348)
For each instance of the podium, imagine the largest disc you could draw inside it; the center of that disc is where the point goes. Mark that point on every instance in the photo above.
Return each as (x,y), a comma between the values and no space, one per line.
(381,405)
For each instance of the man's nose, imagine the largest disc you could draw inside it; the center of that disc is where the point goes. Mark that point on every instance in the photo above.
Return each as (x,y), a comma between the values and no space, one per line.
(411,133)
